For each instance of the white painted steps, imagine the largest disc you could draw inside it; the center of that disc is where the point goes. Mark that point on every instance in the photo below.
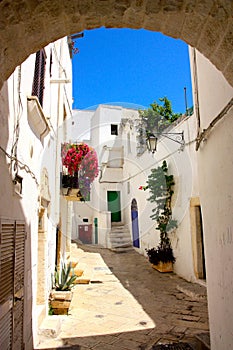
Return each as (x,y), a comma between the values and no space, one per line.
(120,239)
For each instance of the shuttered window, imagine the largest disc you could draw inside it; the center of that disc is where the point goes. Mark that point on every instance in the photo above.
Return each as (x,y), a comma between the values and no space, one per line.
(39,76)
(12,246)
(7,283)
(6,259)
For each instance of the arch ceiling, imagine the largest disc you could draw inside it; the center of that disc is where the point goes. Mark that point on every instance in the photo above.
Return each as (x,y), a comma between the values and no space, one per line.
(28,25)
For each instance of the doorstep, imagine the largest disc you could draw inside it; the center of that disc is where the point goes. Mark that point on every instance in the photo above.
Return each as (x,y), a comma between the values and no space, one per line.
(51,326)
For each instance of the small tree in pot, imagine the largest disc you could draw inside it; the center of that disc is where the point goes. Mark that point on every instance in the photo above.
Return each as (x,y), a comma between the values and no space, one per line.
(160,185)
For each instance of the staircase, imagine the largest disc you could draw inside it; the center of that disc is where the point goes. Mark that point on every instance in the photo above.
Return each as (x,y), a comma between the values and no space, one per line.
(120,239)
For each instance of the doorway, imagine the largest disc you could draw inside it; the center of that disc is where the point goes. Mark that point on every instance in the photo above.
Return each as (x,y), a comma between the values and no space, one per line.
(197,239)
(135,227)
(201,271)
(114,205)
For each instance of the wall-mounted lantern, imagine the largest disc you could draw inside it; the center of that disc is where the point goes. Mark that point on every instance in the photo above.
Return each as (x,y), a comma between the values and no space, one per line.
(152,139)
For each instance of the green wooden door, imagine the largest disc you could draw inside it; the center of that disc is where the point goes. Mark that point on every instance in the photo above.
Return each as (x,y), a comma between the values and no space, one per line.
(114,205)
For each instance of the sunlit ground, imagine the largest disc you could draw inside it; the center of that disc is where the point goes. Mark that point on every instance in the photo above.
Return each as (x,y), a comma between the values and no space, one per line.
(101,307)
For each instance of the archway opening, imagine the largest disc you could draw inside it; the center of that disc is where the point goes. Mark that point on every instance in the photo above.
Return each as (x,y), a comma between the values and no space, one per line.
(208,28)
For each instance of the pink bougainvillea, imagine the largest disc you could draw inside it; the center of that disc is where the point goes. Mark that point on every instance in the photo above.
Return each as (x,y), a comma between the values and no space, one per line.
(89,165)
(80,158)
(72,156)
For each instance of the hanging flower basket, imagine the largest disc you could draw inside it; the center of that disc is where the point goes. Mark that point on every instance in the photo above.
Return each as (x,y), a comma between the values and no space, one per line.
(80,168)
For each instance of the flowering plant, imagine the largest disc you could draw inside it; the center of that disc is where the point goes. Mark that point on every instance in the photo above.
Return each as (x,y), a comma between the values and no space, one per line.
(89,165)
(81,162)
(85,187)
(72,156)
(144,188)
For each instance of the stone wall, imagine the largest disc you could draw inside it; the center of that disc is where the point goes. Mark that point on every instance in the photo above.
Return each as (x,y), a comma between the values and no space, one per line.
(28,25)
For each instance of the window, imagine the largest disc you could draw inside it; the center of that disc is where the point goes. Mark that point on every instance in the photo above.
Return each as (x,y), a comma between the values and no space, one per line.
(114,129)
(39,76)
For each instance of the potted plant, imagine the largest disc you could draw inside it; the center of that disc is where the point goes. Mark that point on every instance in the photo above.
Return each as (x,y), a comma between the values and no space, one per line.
(161,185)
(161,258)
(80,168)
(61,295)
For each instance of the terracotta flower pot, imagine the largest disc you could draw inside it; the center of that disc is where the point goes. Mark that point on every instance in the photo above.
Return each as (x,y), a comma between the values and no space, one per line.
(60,302)
(163,267)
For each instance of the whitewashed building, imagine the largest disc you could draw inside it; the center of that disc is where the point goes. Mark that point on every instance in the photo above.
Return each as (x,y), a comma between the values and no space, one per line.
(34,102)
(116,200)
(202,202)
(37,223)
(213,98)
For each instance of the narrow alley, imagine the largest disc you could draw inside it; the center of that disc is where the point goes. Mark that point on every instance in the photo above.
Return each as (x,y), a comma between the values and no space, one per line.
(128,305)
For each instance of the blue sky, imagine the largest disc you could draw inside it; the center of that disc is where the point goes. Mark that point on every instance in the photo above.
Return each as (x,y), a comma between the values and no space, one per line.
(130,67)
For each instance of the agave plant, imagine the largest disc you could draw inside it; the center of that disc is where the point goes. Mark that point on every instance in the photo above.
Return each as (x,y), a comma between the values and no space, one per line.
(62,280)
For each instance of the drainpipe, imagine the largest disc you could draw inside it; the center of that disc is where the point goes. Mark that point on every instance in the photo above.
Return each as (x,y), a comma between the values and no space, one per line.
(58,143)
(196,96)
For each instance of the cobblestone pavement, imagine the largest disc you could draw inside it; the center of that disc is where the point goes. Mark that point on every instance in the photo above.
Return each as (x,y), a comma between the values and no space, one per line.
(127,305)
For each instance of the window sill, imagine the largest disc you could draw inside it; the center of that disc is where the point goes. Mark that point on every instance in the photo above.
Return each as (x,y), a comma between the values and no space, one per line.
(36,118)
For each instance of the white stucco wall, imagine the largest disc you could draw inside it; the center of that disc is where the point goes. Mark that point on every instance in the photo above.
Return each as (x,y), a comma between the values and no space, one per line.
(80,125)
(134,173)
(24,206)
(182,165)
(36,156)
(215,178)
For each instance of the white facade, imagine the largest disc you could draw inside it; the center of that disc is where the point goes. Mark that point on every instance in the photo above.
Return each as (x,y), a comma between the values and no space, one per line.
(124,170)
(215,168)
(30,152)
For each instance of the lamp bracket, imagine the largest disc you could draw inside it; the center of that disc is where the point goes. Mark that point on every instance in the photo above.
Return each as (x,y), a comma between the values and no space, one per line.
(177,137)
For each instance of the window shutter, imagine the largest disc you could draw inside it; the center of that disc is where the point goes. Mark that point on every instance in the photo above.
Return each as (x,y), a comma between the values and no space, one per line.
(18,309)
(12,247)
(7,234)
(39,76)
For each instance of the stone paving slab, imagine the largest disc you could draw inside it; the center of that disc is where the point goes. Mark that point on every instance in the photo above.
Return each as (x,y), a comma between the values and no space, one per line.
(129,305)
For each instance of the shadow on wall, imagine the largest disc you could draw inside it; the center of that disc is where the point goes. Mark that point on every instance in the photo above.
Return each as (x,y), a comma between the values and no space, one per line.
(15,246)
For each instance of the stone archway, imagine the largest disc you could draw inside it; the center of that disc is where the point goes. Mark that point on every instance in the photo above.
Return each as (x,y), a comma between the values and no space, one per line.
(28,25)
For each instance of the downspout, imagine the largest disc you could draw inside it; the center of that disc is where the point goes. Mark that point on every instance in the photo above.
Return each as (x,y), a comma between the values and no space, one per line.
(196,96)
(57,163)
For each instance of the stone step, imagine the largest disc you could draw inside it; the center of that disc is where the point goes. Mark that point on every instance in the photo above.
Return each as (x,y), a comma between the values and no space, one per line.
(121,245)
(119,234)
(118,229)
(122,250)
(119,239)
(119,223)
(51,326)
